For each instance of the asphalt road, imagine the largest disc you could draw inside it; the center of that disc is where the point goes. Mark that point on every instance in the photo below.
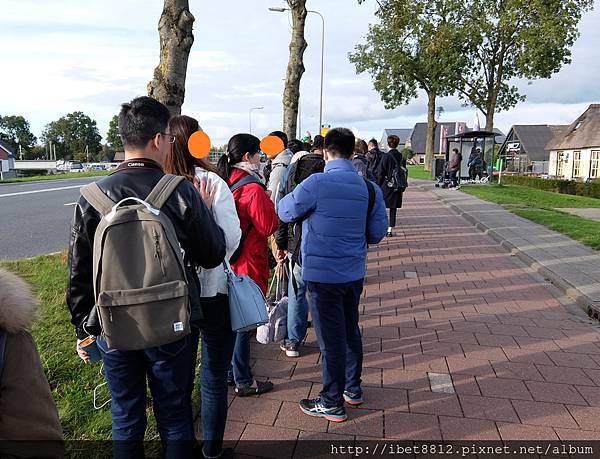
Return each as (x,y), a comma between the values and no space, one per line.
(35,217)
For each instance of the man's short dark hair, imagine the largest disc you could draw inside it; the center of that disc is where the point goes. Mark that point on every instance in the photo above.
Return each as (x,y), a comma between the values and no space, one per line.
(318,142)
(295,146)
(393,141)
(282,135)
(340,142)
(140,120)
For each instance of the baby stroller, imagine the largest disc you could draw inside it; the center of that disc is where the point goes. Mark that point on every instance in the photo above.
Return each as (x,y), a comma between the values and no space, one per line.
(443,180)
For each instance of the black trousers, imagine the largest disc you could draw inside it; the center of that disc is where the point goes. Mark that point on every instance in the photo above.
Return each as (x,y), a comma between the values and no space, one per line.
(393,217)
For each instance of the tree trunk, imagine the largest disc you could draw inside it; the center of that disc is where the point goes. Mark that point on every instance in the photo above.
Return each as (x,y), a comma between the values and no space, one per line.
(490,111)
(176,39)
(295,68)
(431,125)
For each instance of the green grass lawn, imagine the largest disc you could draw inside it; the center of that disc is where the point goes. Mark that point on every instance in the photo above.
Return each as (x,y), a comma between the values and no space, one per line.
(419,173)
(72,382)
(539,206)
(57,176)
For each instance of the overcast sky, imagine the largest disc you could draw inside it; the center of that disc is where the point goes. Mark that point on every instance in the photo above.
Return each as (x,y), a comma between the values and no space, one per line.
(58,56)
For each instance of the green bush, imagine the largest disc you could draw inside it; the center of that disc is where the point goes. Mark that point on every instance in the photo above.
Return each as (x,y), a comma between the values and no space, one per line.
(590,189)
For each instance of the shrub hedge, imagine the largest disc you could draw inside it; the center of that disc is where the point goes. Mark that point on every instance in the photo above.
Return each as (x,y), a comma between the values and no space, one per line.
(590,189)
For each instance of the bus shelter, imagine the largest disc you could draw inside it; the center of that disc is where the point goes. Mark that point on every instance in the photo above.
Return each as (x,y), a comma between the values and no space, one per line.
(471,144)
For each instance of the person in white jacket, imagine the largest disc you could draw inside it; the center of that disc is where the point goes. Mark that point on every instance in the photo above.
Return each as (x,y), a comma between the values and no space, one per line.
(218,339)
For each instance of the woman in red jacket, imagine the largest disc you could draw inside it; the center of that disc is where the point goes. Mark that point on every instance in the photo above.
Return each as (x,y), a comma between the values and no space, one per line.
(258,220)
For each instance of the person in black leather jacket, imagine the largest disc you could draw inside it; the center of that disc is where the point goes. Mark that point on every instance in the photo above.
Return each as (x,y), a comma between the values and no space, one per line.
(143,126)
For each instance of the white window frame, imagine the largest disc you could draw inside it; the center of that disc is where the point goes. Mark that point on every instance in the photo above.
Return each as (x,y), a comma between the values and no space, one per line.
(594,163)
(576,164)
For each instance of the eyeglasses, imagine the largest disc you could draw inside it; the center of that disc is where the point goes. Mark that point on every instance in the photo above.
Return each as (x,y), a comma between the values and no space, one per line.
(170,136)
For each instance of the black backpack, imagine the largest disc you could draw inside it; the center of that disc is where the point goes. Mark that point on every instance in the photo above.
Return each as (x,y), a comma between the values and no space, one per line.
(303,168)
(399,177)
(361,164)
(306,166)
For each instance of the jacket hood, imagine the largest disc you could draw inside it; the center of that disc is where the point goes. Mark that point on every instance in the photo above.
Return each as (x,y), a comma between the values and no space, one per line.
(17,305)
(284,157)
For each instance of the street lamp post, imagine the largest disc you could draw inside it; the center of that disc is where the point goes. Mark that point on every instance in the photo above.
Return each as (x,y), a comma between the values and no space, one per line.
(281,10)
(250,116)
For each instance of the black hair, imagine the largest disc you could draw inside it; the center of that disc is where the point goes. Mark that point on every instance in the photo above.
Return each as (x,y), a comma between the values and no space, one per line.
(340,142)
(140,120)
(295,146)
(306,146)
(318,142)
(455,149)
(374,142)
(361,147)
(282,135)
(237,147)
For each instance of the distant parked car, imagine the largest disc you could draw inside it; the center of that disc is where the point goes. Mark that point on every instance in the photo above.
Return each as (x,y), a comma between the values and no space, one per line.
(97,167)
(76,167)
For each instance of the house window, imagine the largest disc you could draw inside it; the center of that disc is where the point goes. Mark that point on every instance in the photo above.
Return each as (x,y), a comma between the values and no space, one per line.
(595,164)
(560,162)
(576,163)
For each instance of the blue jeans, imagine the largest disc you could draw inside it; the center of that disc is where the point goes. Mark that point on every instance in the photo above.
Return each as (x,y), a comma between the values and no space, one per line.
(297,315)
(217,348)
(169,377)
(334,309)
(240,363)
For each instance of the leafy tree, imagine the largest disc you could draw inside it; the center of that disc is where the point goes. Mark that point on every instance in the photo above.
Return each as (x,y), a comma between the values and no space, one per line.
(415,46)
(37,152)
(112,136)
(508,39)
(72,134)
(14,130)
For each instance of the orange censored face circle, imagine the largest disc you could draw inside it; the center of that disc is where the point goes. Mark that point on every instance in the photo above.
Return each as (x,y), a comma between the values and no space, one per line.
(199,144)
(272,145)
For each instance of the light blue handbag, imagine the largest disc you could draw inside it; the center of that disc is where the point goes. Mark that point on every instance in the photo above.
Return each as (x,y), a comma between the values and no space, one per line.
(247,303)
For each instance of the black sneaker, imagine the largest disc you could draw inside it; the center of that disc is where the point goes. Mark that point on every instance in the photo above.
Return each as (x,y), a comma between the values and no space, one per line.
(290,348)
(353,399)
(315,408)
(256,388)
(389,234)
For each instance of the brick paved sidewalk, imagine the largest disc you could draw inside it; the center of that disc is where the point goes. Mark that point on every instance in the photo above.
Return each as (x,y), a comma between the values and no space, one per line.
(460,343)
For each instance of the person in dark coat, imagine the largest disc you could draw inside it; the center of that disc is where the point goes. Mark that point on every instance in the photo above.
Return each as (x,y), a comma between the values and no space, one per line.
(454,167)
(392,165)
(374,156)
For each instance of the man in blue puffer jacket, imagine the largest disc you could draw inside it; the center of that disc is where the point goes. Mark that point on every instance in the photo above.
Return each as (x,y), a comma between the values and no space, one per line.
(336,229)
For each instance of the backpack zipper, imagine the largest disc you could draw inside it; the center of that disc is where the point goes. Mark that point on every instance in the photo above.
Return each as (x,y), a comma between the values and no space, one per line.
(158,253)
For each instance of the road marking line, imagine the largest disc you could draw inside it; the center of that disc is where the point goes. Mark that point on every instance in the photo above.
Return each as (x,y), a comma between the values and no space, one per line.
(40,191)
(70,204)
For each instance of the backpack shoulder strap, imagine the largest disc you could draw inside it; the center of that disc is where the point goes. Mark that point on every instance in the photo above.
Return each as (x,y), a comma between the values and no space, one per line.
(371,191)
(243,182)
(163,189)
(3,336)
(96,197)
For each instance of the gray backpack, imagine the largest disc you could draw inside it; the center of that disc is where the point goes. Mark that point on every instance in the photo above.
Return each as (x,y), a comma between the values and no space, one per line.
(140,285)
